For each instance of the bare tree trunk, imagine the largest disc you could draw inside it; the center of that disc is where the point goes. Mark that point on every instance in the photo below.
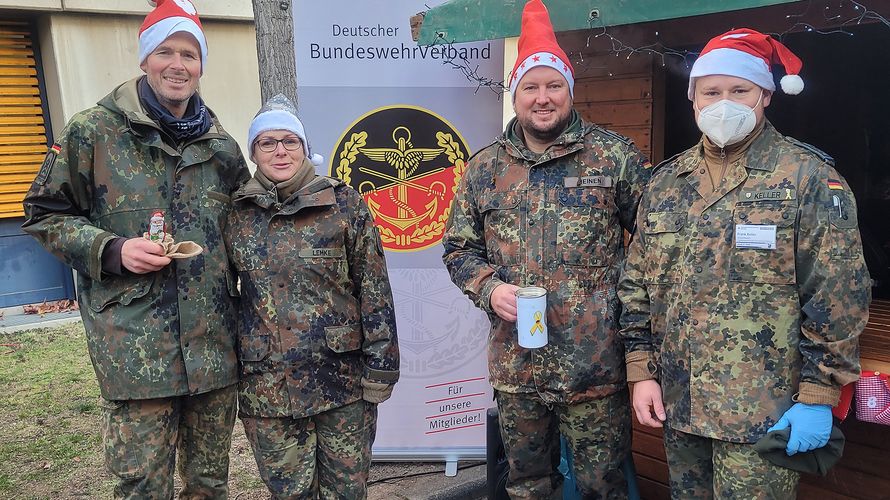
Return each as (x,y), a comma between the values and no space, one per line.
(275,48)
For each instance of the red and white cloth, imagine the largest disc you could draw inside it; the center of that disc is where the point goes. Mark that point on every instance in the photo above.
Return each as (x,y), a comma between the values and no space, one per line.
(873,398)
(168,17)
(537,46)
(748,54)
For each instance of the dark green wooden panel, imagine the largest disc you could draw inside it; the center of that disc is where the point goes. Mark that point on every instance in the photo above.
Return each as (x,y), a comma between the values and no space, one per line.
(473,20)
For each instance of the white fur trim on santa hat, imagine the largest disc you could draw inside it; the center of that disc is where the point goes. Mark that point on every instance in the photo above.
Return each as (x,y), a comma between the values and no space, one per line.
(278,119)
(155,34)
(731,62)
(543,59)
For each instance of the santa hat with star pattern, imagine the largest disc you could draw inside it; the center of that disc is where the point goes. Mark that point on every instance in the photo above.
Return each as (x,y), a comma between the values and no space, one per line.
(168,17)
(748,54)
(538,47)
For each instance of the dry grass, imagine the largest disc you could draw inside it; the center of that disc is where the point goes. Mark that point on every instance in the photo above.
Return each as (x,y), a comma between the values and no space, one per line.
(49,444)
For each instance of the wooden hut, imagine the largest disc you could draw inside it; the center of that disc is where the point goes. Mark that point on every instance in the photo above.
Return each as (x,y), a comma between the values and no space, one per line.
(844,110)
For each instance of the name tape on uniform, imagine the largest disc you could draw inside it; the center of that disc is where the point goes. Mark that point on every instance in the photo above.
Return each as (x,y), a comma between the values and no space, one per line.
(769,194)
(589,181)
(329,253)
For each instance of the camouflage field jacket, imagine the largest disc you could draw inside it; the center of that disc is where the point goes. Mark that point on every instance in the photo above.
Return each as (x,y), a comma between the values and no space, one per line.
(733,331)
(160,334)
(557,221)
(317,306)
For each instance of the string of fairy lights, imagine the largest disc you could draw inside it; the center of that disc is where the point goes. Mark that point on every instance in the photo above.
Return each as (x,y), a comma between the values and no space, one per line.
(835,21)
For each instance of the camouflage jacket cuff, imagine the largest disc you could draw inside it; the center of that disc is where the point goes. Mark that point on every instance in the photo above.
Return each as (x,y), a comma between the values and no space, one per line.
(111,257)
(640,366)
(381,376)
(817,394)
(485,294)
(97,250)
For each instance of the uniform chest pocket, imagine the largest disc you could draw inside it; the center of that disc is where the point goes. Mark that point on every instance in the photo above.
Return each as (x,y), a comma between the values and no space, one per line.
(583,233)
(502,219)
(665,246)
(763,265)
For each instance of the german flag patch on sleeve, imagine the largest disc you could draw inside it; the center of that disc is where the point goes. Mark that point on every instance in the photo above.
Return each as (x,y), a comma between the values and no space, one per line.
(835,184)
(47,167)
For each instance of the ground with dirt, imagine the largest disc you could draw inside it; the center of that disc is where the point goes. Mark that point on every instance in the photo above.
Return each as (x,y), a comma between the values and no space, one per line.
(50,445)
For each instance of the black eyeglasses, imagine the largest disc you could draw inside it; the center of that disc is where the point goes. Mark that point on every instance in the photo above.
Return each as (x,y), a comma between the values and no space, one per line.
(268,145)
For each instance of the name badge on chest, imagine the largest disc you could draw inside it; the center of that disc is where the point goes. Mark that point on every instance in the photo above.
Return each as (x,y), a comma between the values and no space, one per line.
(588,181)
(761,236)
(327,253)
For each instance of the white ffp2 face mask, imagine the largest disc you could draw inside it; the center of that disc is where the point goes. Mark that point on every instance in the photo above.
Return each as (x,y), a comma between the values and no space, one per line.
(726,122)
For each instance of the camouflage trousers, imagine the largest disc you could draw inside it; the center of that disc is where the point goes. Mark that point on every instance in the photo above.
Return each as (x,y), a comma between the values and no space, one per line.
(704,468)
(598,434)
(323,456)
(142,438)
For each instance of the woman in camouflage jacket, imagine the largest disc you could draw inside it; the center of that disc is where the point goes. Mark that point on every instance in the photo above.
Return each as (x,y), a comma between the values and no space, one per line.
(317,340)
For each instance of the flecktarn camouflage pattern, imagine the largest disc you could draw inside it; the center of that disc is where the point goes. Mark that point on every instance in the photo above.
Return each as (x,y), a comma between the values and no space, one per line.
(317,310)
(705,468)
(318,318)
(556,221)
(598,433)
(732,331)
(166,333)
(328,454)
(142,436)
(162,343)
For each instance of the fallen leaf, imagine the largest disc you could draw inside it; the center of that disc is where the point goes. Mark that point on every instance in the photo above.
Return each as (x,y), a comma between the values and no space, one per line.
(56,306)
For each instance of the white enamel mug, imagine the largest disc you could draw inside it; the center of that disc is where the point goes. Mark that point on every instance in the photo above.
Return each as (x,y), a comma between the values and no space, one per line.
(531,316)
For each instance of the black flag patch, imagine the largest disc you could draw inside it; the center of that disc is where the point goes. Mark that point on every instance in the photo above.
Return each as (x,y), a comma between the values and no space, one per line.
(47,165)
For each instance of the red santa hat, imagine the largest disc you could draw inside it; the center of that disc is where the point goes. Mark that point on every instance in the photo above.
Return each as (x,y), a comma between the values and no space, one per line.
(168,17)
(538,47)
(748,54)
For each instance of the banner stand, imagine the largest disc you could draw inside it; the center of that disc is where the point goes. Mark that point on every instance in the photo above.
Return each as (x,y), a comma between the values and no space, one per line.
(398,123)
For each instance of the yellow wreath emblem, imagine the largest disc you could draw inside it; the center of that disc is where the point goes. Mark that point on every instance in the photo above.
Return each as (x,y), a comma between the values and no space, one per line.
(347,156)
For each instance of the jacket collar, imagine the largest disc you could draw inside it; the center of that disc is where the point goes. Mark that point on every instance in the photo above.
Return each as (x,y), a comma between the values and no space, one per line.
(124,100)
(319,192)
(571,140)
(762,147)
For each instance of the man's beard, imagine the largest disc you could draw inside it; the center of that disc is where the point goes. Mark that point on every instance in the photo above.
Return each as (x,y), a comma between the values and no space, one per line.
(549,134)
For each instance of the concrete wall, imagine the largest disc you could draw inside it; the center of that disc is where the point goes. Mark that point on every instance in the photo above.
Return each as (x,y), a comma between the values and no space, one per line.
(208,9)
(87,55)
(511,52)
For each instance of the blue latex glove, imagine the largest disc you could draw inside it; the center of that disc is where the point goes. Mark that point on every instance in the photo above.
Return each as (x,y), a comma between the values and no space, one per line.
(810,427)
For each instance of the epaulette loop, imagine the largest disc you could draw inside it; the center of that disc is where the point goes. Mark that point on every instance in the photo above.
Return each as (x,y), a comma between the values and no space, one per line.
(666,161)
(483,148)
(827,158)
(614,135)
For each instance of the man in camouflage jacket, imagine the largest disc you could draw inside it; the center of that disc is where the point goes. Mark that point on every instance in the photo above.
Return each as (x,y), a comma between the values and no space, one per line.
(317,340)
(743,293)
(547,205)
(160,333)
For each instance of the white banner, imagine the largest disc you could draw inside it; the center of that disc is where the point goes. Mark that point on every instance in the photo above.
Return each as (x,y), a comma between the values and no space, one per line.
(399,125)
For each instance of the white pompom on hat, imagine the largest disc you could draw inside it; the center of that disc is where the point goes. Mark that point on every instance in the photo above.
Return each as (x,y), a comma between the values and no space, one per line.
(168,17)
(748,54)
(280,114)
